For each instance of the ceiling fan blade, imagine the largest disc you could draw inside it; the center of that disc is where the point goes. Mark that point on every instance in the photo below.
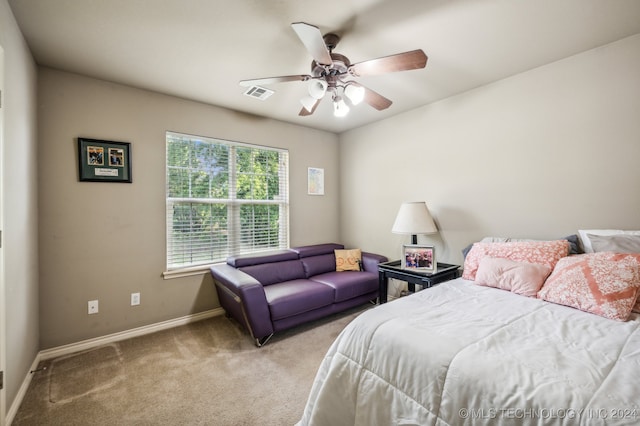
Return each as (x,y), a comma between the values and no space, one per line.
(271,80)
(312,39)
(371,97)
(304,112)
(412,60)
(375,99)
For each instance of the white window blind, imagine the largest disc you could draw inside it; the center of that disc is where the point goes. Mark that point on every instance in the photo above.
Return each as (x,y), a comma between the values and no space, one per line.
(223,198)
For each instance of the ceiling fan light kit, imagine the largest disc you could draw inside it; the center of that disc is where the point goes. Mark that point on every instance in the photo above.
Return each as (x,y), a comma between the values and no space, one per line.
(308,102)
(354,92)
(329,73)
(317,88)
(340,108)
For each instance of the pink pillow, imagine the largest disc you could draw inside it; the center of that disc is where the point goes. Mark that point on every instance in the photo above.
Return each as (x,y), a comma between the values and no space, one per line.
(518,277)
(542,252)
(603,283)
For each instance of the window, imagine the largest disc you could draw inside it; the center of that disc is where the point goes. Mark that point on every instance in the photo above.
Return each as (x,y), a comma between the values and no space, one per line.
(223,198)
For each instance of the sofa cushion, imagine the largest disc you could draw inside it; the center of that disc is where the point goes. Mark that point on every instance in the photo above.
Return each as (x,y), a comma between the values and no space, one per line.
(294,297)
(277,272)
(317,249)
(320,264)
(349,284)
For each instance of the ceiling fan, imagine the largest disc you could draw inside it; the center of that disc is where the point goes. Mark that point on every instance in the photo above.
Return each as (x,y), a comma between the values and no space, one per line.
(332,72)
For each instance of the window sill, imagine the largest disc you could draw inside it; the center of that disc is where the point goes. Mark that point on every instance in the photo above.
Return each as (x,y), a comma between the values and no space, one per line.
(186,272)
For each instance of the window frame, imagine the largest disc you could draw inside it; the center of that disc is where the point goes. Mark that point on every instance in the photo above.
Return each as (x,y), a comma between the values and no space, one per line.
(233,203)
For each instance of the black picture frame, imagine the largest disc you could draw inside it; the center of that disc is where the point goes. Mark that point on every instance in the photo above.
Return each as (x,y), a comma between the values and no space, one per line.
(104,161)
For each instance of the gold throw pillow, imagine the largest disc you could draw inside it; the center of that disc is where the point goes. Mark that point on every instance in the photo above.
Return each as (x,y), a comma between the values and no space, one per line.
(348,260)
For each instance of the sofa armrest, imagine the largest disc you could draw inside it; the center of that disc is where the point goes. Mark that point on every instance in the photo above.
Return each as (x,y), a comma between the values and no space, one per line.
(243,297)
(370,261)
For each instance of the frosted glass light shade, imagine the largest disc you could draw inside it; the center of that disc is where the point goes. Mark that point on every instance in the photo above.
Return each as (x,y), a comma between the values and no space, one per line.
(317,88)
(340,108)
(414,218)
(354,93)
(308,102)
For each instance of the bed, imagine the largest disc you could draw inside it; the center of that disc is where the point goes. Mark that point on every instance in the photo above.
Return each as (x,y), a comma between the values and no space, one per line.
(464,353)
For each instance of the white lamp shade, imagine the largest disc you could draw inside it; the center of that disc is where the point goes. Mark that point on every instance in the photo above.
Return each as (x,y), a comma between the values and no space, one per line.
(414,218)
(354,93)
(340,108)
(308,102)
(317,88)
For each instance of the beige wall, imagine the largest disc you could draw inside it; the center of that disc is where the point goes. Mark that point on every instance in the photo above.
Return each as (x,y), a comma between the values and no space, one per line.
(538,155)
(20,227)
(106,240)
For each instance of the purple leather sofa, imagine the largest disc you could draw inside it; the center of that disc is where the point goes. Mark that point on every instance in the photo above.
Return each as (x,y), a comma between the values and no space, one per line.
(278,290)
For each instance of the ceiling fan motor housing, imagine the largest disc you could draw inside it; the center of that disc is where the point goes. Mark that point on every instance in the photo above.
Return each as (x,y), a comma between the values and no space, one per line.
(339,66)
(331,41)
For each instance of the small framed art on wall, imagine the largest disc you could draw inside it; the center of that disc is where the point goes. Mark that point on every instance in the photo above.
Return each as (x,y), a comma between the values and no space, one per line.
(104,161)
(315,181)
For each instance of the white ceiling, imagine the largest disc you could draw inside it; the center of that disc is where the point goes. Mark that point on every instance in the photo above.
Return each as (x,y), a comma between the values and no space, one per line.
(200,49)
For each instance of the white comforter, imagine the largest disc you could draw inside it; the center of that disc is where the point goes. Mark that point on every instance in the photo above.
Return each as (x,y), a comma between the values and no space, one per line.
(463,354)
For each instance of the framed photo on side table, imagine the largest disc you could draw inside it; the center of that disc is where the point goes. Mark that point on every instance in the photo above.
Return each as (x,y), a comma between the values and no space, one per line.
(419,257)
(104,161)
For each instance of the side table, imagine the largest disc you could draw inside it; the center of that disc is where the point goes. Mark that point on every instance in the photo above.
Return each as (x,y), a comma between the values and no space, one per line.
(393,269)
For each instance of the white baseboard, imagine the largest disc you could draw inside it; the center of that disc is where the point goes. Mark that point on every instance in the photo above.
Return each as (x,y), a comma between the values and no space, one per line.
(99,341)
(123,335)
(13,410)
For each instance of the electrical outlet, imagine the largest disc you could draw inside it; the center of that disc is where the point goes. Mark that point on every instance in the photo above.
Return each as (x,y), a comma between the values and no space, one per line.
(135,299)
(93,307)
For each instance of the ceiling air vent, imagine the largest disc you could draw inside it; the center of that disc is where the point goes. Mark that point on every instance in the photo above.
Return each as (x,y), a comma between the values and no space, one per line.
(258,92)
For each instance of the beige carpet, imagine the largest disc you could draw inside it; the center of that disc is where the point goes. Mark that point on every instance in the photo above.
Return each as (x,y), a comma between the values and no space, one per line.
(205,373)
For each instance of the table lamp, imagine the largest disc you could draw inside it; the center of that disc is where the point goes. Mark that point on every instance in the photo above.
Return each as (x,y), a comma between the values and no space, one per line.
(414,218)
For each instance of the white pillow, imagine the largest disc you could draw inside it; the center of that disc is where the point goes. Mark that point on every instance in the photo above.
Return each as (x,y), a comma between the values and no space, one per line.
(586,243)
(620,243)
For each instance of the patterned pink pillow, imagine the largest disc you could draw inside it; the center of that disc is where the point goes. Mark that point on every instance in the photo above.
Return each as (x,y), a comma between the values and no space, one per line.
(603,283)
(542,252)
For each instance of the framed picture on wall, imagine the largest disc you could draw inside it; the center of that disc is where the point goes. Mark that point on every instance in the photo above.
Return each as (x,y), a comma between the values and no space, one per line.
(315,181)
(419,257)
(104,161)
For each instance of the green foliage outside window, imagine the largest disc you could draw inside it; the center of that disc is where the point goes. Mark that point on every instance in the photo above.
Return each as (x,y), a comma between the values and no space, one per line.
(223,199)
